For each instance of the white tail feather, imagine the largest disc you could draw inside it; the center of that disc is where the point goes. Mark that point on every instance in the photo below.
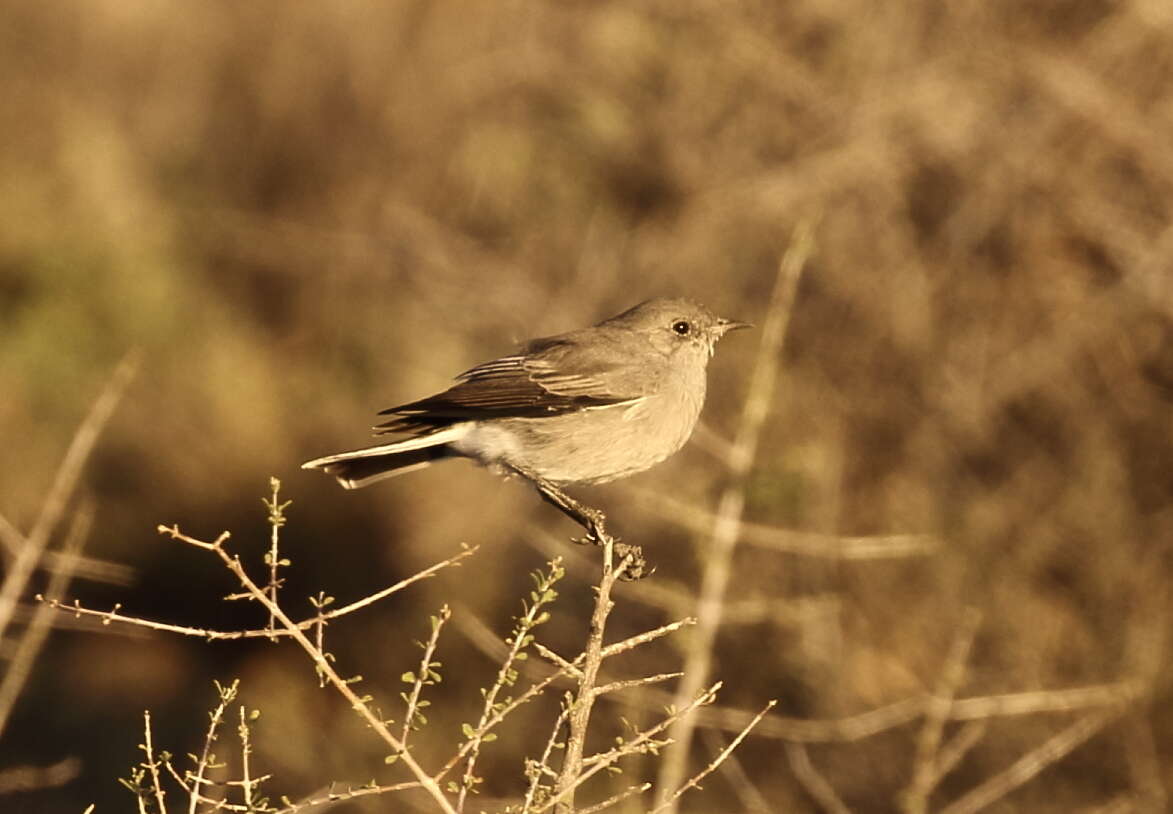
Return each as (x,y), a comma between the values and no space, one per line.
(358,483)
(444,436)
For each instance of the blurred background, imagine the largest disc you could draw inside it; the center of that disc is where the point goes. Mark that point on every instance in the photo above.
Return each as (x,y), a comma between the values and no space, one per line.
(303,213)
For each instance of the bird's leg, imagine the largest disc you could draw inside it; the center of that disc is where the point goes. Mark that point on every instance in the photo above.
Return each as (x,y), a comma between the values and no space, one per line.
(588,517)
(593,521)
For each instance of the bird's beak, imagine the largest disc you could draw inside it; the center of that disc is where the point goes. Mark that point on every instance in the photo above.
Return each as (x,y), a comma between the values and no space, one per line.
(727,325)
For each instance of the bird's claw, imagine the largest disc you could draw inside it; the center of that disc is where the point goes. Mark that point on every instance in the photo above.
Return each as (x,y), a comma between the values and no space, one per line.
(637,567)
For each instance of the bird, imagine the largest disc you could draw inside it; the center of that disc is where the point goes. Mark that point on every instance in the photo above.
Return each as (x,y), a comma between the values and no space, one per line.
(584,407)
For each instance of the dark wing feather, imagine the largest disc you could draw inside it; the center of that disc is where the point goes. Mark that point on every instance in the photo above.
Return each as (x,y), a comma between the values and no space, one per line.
(552,376)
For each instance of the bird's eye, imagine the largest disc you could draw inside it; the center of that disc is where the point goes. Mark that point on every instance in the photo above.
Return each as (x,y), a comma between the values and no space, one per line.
(681,328)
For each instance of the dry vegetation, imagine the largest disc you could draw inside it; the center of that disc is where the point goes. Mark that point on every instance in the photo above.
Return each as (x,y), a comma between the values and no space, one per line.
(940,539)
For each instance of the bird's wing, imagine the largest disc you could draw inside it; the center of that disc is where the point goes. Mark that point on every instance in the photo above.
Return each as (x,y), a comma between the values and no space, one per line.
(549,377)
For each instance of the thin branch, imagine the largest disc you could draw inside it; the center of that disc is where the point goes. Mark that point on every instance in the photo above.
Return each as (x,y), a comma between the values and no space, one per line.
(425,673)
(639,743)
(33,637)
(1027,703)
(564,665)
(152,765)
(246,782)
(968,736)
(541,685)
(630,683)
(83,567)
(694,781)
(751,797)
(331,797)
(618,798)
(227,694)
(537,769)
(726,529)
(488,642)
(68,473)
(1144,760)
(1032,763)
(320,661)
(791,541)
(500,715)
(223,635)
(580,711)
(821,791)
(926,772)
(35,778)
(522,637)
(273,556)
(899,713)
(648,636)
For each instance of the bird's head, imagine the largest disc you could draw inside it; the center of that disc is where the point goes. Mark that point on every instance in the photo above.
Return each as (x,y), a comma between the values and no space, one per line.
(677,326)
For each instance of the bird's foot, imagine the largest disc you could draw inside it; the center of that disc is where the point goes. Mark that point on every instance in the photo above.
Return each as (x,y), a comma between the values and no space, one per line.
(636,567)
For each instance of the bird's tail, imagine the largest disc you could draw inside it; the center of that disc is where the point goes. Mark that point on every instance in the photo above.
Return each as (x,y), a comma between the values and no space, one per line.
(363,467)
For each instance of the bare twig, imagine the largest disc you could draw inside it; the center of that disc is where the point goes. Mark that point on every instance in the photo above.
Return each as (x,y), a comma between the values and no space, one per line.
(227,694)
(566,668)
(955,749)
(694,781)
(618,798)
(83,567)
(331,797)
(426,782)
(246,782)
(643,638)
(726,528)
(1033,762)
(630,683)
(790,541)
(821,791)
(33,636)
(273,557)
(926,771)
(64,482)
(224,635)
(899,713)
(522,636)
(34,778)
(580,711)
(751,798)
(548,654)
(538,769)
(641,742)
(152,765)
(1027,703)
(502,712)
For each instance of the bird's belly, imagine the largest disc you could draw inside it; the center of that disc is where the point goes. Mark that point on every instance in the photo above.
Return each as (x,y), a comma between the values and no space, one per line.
(589,446)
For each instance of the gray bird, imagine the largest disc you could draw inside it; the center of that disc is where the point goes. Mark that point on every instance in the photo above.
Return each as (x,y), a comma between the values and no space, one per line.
(587,406)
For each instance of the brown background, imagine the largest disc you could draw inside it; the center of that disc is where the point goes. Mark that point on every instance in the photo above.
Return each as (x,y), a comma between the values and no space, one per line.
(302,213)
